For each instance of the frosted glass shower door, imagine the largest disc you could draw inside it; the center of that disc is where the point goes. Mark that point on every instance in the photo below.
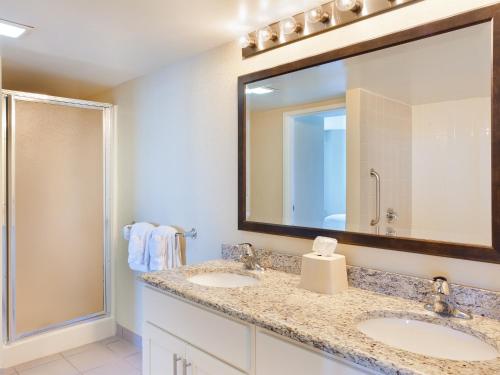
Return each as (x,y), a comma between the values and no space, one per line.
(56,214)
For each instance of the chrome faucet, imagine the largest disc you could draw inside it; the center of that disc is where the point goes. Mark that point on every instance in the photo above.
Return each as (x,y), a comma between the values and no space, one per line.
(441,303)
(249,258)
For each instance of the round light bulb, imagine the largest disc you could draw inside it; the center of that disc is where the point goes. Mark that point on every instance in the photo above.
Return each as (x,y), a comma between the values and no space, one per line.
(266,34)
(346,5)
(290,26)
(246,41)
(317,15)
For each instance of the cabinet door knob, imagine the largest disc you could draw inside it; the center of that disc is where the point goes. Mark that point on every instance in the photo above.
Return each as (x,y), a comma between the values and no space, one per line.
(176,359)
(185,365)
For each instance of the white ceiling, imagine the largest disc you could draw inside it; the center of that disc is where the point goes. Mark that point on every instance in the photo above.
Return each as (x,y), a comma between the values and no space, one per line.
(450,66)
(81,47)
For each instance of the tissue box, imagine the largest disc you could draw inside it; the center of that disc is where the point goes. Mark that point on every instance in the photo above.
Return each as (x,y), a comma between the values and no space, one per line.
(322,274)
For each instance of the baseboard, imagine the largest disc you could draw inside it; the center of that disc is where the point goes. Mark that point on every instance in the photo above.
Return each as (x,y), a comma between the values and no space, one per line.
(128,335)
(56,341)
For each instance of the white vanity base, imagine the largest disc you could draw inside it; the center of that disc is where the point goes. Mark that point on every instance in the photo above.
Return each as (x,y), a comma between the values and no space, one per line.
(181,338)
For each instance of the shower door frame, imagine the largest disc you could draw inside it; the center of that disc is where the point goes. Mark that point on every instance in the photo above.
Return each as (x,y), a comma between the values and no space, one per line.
(9,99)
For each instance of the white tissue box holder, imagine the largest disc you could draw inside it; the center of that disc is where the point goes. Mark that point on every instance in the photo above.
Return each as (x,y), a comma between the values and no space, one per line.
(323,274)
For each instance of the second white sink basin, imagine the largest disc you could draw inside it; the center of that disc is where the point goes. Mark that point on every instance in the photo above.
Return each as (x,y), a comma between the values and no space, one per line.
(428,339)
(223,280)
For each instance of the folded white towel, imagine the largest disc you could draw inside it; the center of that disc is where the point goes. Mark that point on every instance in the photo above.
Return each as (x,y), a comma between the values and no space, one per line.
(137,245)
(164,249)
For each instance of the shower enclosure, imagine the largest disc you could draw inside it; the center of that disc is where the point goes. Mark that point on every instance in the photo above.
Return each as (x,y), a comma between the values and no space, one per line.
(55,166)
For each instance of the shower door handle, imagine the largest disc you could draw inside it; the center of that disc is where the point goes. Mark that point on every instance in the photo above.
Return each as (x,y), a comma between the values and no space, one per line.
(374,173)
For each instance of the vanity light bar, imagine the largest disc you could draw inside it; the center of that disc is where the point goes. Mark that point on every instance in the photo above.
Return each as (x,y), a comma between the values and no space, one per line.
(314,21)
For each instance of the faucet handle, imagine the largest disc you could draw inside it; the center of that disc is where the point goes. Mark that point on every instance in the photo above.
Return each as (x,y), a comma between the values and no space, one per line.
(441,285)
(247,249)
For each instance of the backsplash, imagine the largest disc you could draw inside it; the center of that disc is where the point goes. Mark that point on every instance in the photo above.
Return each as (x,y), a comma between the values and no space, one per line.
(475,300)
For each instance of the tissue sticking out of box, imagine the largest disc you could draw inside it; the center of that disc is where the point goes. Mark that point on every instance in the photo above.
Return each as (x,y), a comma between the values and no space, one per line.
(324,246)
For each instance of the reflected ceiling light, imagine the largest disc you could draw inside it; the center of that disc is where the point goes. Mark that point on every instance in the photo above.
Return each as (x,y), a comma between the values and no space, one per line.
(346,5)
(290,26)
(12,29)
(259,90)
(267,33)
(246,41)
(317,15)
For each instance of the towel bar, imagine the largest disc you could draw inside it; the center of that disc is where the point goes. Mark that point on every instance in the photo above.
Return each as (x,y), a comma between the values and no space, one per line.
(193,233)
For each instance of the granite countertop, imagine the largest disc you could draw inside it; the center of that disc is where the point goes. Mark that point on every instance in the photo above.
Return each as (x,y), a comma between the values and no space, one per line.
(326,322)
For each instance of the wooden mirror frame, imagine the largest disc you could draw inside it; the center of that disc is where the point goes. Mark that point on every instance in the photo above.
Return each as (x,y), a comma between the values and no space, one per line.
(429,247)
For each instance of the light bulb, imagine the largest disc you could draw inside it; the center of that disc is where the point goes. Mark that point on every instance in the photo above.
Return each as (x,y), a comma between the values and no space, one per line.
(317,15)
(246,41)
(266,34)
(346,5)
(290,26)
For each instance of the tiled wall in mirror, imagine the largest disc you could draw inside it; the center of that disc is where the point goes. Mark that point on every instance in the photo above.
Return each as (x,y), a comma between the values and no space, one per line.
(394,142)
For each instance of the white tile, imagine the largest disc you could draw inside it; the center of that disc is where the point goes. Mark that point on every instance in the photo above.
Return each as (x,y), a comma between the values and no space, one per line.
(59,367)
(110,340)
(81,349)
(135,360)
(93,357)
(115,368)
(123,348)
(37,362)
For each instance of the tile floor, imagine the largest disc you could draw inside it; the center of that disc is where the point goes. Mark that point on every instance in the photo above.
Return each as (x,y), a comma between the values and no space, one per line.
(113,356)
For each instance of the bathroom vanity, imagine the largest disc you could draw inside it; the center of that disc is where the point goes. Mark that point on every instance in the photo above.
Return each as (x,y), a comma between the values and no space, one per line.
(273,327)
(190,336)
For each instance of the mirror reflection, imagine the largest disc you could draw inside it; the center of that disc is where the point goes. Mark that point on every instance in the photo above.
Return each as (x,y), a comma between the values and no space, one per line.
(394,142)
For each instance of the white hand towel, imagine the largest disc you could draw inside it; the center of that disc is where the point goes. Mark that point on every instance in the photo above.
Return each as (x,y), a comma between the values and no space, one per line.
(137,245)
(164,249)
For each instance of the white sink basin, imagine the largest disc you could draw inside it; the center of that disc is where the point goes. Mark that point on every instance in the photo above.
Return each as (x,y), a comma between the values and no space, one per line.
(223,280)
(428,339)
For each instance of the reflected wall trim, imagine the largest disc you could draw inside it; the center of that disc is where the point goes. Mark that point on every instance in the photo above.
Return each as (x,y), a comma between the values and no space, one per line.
(9,99)
(429,247)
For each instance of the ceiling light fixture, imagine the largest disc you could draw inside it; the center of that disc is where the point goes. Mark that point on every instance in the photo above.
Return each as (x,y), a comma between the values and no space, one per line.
(246,41)
(259,90)
(267,34)
(349,5)
(317,15)
(290,26)
(324,15)
(12,29)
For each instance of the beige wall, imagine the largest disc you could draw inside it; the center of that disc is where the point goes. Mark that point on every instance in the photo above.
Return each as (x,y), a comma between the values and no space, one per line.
(266,161)
(177,137)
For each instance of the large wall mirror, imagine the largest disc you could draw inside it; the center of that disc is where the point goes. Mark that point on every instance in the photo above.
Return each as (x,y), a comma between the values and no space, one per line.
(390,143)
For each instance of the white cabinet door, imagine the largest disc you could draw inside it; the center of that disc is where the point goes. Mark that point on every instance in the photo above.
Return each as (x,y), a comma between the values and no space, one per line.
(200,328)
(162,354)
(200,363)
(275,356)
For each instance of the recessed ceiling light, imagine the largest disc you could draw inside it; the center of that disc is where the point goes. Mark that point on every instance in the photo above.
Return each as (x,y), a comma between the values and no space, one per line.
(259,90)
(12,29)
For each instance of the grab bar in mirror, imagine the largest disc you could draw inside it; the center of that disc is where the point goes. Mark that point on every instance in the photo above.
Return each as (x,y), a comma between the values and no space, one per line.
(374,173)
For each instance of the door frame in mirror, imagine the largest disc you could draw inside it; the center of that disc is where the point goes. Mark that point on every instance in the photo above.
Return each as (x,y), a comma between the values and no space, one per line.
(429,247)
